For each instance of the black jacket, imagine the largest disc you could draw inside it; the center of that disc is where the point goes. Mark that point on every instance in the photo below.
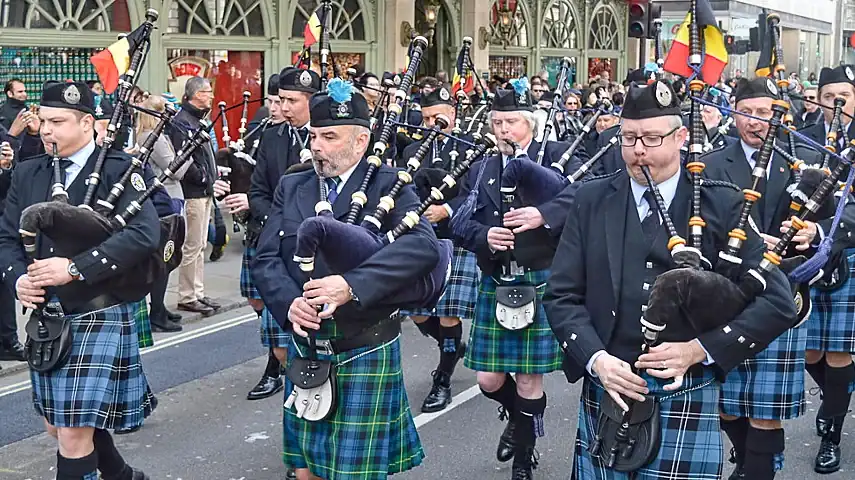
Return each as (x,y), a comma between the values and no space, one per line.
(198,182)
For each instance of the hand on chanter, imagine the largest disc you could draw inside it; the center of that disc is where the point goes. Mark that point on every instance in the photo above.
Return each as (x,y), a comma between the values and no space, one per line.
(523,219)
(303,316)
(618,379)
(671,360)
(804,237)
(49,272)
(329,292)
(500,239)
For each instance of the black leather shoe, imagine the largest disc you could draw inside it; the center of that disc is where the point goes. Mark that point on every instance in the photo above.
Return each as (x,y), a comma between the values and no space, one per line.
(524,463)
(266,387)
(290,474)
(210,302)
(197,307)
(13,352)
(125,431)
(139,475)
(440,394)
(828,458)
(738,474)
(175,317)
(167,326)
(505,451)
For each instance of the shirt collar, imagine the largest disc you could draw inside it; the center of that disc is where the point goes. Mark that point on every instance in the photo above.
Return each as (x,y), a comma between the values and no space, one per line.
(81,156)
(668,189)
(342,179)
(747,149)
(524,149)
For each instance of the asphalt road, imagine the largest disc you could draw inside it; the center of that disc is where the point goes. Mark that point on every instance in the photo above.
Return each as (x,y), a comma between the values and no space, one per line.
(204,428)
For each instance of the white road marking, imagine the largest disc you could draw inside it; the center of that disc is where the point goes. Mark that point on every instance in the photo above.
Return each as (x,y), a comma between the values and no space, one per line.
(459,399)
(168,342)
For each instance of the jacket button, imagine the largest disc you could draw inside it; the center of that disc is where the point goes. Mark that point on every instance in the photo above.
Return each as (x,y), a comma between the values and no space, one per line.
(495,213)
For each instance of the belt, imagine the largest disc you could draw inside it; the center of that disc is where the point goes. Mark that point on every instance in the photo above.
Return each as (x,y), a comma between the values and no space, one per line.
(98,303)
(379,334)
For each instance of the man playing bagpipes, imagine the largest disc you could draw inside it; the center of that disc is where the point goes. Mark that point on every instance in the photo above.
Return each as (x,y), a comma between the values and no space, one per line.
(110,389)
(283,139)
(604,275)
(443,322)
(834,83)
(364,428)
(754,398)
(486,225)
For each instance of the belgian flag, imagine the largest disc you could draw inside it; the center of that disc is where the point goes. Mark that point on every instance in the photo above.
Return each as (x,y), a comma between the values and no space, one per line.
(712,47)
(312,32)
(115,60)
(467,83)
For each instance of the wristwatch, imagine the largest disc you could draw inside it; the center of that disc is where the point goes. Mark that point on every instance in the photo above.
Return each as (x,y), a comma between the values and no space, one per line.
(353,296)
(73,271)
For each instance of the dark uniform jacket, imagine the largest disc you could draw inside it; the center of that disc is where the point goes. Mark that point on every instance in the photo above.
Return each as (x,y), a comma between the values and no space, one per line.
(277,152)
(816,132)
(611,161)
(588,281)
(375,282)
(533,248)
(31,184)
(199,185)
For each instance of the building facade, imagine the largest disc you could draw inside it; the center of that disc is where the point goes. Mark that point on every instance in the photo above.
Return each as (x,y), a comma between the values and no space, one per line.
(241,42)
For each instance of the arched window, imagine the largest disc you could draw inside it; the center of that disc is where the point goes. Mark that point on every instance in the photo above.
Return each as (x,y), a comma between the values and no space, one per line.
(604,30)
(217,17)
(347,22)
(559,26)
(74,15)
(508,24)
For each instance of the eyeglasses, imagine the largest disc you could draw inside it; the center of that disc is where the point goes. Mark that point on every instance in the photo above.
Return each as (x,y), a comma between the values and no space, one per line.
(540,90)
(810,97)
(649,141)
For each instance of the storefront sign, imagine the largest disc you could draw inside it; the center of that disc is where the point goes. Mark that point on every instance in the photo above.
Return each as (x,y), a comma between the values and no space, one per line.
(188,67)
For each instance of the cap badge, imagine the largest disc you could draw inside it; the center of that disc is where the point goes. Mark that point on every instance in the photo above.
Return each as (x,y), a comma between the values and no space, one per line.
(849,74)
(305,79)
(443,95)
(770,85)
(71,95)
(343,110)
(663,94)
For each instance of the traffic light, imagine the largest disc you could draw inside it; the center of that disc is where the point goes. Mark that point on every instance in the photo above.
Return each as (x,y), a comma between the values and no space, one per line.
(654,12)
(638,20)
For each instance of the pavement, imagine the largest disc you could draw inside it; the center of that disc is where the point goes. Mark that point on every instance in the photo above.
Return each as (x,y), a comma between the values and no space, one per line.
(204,428)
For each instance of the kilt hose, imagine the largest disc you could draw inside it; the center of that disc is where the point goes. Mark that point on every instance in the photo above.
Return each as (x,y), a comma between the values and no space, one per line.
(493,348)
(143,324)
(372,434)
(770,386)
(102,385)
(458,300)
(691,447)
(272,334)
(247,288)
(831,325)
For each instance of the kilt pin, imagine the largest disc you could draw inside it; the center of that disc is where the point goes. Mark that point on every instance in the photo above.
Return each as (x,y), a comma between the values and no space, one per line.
(493,348)
(102,385)
(691,437)
(371,435)
(458,300)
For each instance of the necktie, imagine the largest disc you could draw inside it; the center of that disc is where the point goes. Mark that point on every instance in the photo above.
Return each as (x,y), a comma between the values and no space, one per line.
(63,175)
(332,184)
(650,224)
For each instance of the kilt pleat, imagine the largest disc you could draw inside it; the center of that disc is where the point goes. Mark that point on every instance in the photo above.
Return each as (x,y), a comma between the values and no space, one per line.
(770,386)
(691,447)
(102,385)
(461,291)
(493,348)
(272,334)
(372,434)
(247,287)
(831,325)
(143,324)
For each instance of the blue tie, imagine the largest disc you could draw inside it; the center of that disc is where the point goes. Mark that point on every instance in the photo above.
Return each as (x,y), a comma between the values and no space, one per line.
(332,194)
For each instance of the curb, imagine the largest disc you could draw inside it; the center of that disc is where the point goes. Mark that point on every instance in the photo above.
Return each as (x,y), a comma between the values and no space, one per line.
(189,318)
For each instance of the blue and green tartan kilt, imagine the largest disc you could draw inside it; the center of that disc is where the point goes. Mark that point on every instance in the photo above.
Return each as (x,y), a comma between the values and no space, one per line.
(831,325)
(493,348)
(247,288)
(690,434)
(143,324)
(770,386)
(458,300)
(272,334)
(372,434)
(102,385)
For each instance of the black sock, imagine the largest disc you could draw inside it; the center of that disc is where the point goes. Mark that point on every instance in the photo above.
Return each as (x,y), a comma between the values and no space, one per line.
(506,396)
(736,431)
(761,448)
(272,368)
(430,328)
(817,372)
(529,426)
(835,400)
(448,345)
(110,461)
(85,468)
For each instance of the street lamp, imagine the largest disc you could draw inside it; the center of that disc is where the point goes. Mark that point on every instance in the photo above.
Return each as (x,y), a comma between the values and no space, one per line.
(408,32)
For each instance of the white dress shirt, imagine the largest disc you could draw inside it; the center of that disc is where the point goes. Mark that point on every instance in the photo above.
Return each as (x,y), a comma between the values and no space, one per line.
(78,161)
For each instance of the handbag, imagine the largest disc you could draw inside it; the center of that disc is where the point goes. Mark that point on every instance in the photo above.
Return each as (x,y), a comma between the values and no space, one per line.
(516,306)
(640,447)
(315,390)
(49,339)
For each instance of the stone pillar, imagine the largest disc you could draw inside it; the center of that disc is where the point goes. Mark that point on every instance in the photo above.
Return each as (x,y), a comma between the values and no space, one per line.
(155,73)
(397,12)
(475,16)
(791,43)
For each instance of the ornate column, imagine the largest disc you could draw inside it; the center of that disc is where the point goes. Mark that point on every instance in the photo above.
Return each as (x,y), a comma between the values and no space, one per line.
(393,53)
(475,19)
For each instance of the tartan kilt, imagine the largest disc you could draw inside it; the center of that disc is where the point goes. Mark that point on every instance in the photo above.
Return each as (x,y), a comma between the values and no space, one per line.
(458,300)
(247,288)
(143,324)
(103,384)
(690,446)
(372,434)
(831,325)
(770,386)
(493,348)
(272,334)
